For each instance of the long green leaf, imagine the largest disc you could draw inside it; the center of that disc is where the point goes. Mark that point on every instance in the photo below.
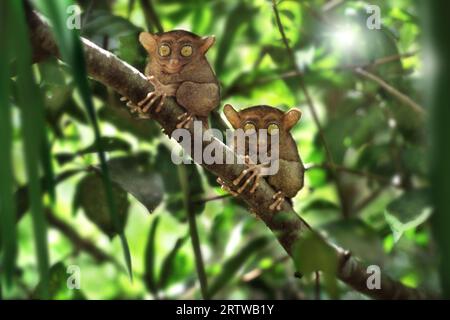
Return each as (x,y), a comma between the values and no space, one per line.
(7,214)
(72,53)
(168,263)
(32,115)
(150,258)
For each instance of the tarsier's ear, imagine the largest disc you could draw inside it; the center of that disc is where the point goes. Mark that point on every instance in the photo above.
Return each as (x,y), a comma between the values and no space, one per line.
(232,115)
(291,117)
(148,41)
(206,43)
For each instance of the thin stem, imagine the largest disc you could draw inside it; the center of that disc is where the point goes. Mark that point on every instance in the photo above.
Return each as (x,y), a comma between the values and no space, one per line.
(312,108)
(393,91)
(151,17)
(77,240)
(215,198)
(193,231)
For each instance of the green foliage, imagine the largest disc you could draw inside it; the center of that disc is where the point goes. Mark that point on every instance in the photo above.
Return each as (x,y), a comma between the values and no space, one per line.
(54,155)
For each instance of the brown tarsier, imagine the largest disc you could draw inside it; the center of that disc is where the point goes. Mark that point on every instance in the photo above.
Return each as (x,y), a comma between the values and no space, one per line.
(178,68)
(289,178)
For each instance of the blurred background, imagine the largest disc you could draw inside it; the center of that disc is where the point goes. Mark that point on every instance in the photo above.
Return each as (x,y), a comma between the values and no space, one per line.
(362,137)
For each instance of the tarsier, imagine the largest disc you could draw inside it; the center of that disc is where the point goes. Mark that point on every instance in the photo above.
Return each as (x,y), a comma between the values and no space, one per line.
(178,68)
(289,178)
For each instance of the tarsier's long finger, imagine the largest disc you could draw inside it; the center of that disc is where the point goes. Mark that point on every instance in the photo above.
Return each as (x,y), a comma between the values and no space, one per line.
(183,116)
(241,176)
(255,185)
(146,99)
(153,81)
(276,205)
(124,99)
(188,121)
(279,199)
(150,103)
(161,103)
(248,181)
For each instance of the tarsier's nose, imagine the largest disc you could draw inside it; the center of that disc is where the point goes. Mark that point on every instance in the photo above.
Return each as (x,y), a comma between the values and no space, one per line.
(174,63)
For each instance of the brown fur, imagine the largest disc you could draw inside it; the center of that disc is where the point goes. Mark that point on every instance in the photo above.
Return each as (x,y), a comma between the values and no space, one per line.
(289,178)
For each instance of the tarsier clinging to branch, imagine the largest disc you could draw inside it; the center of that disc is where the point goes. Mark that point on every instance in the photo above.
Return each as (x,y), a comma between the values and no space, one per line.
(289,178)
(178,68)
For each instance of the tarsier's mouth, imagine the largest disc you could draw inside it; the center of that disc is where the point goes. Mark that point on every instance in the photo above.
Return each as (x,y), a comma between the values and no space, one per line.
(173,69)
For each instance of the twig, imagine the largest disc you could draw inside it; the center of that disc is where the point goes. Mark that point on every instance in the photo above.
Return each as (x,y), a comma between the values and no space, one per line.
(257,272)
(295,74)
(224,196)
(286,225)
(312,108)
(393,91)
(370,198)
(151,17)
(79,242)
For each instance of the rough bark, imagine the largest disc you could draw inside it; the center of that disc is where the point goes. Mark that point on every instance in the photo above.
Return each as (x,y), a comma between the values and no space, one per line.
(287,225)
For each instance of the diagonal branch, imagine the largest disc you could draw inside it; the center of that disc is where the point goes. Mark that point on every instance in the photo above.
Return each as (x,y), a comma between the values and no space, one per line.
(287,226)
(393,91)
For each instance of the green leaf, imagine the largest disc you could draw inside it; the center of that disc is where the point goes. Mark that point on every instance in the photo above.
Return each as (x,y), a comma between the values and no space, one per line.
(72,52)
(238,17)
(57,283)
(33,129)
(136,177)
(311,253)
(91,197)
(234,264)
(169,263)
(149,275)
(408,211)
(8,235)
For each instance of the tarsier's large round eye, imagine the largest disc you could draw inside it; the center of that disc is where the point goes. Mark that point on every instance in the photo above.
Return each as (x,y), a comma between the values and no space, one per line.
(186,51)
(272,129)
(164,50)
(249,128)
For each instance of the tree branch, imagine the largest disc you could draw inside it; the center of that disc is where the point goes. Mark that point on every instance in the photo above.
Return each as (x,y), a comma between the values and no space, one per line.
(393,91)
(286,225)
(79,242)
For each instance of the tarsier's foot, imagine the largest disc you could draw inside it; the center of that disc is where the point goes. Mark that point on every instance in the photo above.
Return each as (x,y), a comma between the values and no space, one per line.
(185,120)
(226,187)
(279,199)
(135,108)
(255,176)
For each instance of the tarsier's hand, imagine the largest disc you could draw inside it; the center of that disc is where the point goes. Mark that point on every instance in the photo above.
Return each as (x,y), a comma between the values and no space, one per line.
(160,93)
(253,174)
